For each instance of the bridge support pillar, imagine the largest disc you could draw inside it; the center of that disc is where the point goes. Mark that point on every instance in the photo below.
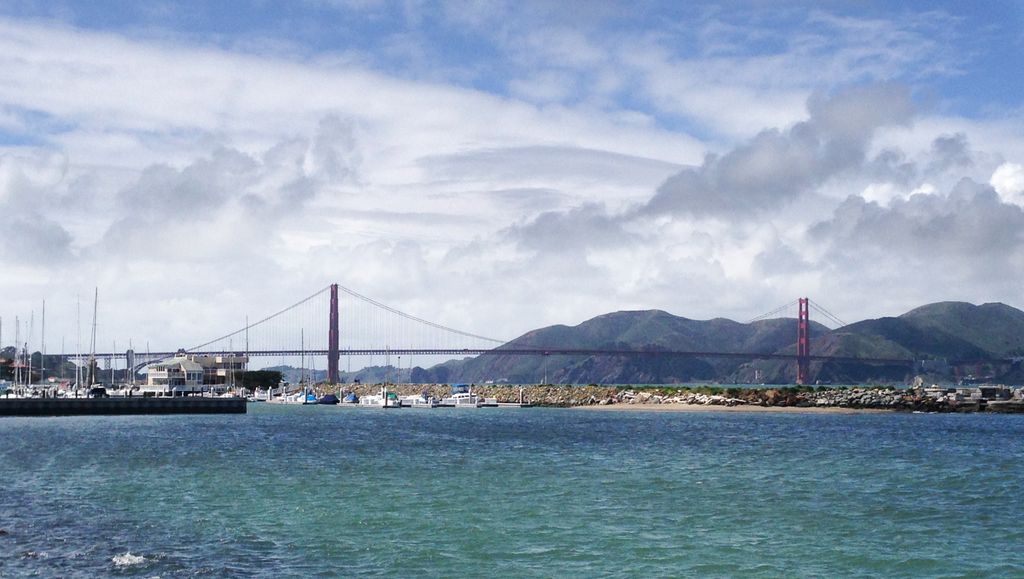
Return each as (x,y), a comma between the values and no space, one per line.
(803,342)
(332,338)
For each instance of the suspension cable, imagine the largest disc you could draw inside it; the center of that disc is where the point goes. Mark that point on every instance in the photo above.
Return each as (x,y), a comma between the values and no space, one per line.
(416,319)
(832,317)
(268,318)
(777,310)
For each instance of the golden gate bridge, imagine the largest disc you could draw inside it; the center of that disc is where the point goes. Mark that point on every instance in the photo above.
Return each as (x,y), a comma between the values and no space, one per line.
(337,322)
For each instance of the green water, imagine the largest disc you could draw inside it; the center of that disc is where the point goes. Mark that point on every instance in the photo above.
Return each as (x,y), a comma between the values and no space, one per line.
(327,491)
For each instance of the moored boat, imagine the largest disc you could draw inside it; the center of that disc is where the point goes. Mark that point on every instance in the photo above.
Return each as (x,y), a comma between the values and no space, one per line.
(328,399)
(461,397)
(419,401)
(383,400)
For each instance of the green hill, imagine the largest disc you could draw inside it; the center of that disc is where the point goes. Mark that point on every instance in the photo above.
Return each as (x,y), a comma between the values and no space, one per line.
(941,331)
(631,330)
(996,329)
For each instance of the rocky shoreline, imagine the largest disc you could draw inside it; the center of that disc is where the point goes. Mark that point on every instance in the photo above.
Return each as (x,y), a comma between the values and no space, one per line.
(565,396)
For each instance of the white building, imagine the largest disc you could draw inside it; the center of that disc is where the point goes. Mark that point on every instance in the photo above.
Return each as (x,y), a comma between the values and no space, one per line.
(192,373)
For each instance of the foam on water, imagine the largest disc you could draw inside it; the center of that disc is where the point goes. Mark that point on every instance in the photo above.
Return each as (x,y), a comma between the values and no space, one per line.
(127,560)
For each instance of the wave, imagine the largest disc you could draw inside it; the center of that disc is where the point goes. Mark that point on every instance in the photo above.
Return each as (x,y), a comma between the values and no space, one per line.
(127,559)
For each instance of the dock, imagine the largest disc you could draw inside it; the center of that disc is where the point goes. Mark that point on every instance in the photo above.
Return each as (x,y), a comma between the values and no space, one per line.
(118,405)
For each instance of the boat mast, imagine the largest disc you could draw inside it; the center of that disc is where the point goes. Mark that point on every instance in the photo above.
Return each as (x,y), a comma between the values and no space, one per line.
(17,350)
(28,340)
(92,342)
(78,346)
(42,343)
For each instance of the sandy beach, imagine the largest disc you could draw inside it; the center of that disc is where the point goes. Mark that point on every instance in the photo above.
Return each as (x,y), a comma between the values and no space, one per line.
(738,408)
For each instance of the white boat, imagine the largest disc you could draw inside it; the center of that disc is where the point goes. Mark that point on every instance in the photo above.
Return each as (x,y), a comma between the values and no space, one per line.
(260,395)
(419,401)
(123,390)
(462,400)
(462,397)
(383,400)
(298,397)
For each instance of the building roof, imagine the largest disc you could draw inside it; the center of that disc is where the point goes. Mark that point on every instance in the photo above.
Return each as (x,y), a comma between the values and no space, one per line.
(183,363)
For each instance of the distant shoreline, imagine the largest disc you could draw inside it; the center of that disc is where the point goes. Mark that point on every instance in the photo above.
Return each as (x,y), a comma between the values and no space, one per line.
(803,399)
(738,408)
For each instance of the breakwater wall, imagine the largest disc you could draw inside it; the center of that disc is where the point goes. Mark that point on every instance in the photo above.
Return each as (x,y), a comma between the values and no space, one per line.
(120,405)
(910,399)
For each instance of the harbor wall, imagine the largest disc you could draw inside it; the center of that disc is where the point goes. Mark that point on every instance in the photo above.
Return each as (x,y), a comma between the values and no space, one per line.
(120,405)
(906,399)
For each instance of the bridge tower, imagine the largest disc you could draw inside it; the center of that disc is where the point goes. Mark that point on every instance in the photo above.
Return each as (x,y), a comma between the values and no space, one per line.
(332,338)
(803,341)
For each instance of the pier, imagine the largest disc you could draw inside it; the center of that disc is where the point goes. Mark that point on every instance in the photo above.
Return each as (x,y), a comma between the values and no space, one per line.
(120,405)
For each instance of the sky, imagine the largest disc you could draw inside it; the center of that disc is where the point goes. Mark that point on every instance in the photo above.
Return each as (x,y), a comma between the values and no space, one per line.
(502,166)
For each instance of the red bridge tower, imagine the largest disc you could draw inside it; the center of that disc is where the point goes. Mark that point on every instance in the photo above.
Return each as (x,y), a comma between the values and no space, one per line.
(803,341)
(332,338)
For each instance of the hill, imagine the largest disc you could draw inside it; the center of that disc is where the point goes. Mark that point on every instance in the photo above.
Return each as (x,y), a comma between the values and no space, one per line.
(628,330)
(996,329)
(941,331)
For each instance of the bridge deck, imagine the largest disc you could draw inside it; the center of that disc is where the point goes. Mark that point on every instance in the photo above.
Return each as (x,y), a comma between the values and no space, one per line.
(530,352)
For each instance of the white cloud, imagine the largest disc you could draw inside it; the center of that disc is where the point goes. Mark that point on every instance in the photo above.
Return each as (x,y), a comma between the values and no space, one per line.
(1008,181)
(775,167)
(182,169)
(198,185)
(880,193)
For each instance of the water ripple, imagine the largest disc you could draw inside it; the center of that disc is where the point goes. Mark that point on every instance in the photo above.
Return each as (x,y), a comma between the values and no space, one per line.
(310,491)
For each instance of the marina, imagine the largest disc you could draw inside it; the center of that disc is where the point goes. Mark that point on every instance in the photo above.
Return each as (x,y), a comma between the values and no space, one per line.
(388,396)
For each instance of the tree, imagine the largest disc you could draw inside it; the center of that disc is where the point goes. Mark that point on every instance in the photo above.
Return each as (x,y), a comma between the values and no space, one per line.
(263,379)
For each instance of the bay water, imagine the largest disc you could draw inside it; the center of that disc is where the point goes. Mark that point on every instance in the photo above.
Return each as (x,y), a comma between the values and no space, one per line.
(310,491)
